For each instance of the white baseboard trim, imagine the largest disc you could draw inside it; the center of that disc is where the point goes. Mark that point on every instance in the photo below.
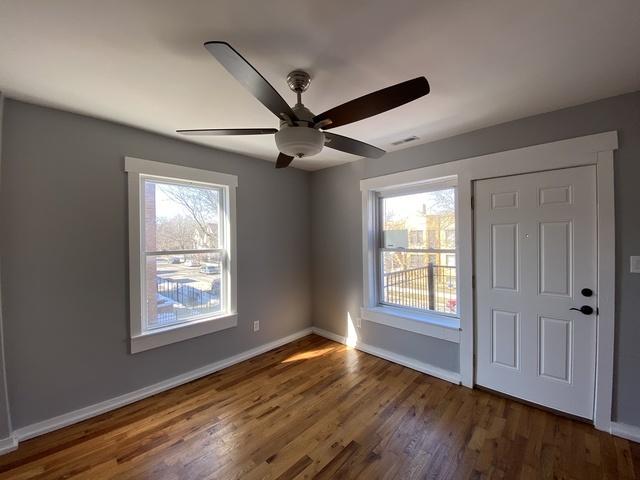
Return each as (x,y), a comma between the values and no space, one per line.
(624,430)
(84,413)
(8,444)
(412,363)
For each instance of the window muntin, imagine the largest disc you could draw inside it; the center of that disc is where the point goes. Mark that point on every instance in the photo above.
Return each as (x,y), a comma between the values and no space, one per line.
(184,254)
(417,251)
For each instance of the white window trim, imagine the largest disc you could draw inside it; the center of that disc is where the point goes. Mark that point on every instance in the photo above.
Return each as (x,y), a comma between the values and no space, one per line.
(429,324)
(433,324)
(595,150)
(140,340)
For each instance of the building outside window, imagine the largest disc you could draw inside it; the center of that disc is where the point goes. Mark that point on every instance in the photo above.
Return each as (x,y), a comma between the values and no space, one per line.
(416,237)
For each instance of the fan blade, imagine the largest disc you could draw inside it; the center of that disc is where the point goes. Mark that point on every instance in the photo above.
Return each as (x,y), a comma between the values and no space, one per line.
(349,145)
(374,103)
(228,131)
(283,160)
(248,76)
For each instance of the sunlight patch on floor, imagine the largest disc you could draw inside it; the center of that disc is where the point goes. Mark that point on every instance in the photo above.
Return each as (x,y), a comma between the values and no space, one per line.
(307,355)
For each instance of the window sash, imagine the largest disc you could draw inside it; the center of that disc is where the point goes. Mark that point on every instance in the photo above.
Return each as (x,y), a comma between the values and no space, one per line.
(185,252)
(417,250)
(380,282)
(223,193)
(192,319)
(422,188)
(399,306)
(379,216)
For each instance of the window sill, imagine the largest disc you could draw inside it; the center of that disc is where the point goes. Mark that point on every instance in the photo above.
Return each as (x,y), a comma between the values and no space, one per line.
(178,333)
(429,324)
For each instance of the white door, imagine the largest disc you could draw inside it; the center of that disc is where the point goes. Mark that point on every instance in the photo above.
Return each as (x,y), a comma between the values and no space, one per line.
(535,252)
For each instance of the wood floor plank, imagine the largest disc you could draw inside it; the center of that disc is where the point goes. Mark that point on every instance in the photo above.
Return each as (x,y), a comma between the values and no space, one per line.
(317,409)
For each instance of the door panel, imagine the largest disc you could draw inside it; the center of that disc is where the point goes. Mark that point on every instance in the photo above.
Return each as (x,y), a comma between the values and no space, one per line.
(535,249)
(555,349)
(555,195)
(504,200)
(555,258)
(504,253)
(506,338)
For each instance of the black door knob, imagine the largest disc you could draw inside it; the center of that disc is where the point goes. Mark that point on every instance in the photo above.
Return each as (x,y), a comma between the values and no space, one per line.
(586,292)
(585,309)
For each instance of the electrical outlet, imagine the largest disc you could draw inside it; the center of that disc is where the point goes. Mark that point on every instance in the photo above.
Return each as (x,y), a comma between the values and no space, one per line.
(256,325)
(635,264)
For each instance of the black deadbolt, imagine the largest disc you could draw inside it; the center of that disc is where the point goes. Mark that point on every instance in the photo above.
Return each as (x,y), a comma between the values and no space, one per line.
(586,292)
(585,309)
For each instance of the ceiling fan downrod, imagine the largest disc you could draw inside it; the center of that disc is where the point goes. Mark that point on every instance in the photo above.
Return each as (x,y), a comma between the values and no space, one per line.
(299,81)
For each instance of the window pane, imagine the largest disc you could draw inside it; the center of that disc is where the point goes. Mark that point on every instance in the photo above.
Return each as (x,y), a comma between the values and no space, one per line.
(181,217)
(420,220)
(182,287)
(419,280)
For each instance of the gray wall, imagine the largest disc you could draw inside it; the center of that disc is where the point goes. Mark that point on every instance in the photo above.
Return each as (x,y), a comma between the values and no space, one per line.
(336,231)
(64,259)
(5,419)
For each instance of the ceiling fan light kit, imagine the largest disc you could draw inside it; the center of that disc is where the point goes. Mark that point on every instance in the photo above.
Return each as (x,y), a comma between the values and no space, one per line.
(299,141)
(301,133)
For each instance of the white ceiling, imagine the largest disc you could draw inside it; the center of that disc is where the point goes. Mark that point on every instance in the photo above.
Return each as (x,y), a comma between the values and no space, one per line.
(141,62)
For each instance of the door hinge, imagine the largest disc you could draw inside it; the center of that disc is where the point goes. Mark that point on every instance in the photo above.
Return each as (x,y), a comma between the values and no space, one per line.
(473,281)
(473,203)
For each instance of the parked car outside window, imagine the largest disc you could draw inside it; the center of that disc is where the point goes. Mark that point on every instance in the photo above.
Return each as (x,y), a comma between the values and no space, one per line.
(210,269)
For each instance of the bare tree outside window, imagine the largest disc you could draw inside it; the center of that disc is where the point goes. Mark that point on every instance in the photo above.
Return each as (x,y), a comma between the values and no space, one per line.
(175,233)
(201,206)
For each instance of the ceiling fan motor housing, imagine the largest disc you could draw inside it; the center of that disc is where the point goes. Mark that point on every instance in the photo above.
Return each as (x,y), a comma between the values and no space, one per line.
(299,141)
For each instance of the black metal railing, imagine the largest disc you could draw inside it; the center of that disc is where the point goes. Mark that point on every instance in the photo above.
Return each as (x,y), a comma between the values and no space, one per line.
(193,300)
(187,295)
(427,288)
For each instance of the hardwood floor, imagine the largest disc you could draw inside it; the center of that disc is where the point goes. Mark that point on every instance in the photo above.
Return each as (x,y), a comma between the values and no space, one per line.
(315,409)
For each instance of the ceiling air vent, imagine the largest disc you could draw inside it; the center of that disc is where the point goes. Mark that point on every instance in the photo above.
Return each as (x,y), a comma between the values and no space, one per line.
(405,140)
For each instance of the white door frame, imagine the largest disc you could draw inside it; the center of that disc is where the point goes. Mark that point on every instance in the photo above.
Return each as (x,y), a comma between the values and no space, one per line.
(588,150)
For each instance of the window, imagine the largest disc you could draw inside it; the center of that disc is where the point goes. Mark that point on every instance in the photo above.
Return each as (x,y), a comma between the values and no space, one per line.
(450,237)
(182,265)
(416,254)
(432,236)
(450,260)
(416,237)
(410,278)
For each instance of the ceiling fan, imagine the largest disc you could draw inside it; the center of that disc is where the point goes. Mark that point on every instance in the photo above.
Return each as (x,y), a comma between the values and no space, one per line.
(301,133)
